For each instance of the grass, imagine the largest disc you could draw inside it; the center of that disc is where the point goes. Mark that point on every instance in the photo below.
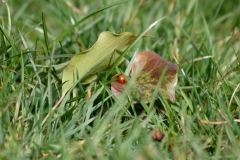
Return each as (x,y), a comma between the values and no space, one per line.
(38,38)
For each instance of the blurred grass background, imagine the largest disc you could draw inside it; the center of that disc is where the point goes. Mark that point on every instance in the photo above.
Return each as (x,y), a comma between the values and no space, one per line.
(200,36)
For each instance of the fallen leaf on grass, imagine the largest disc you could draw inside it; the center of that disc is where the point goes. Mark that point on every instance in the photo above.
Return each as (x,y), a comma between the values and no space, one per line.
(148,68)
(99,57)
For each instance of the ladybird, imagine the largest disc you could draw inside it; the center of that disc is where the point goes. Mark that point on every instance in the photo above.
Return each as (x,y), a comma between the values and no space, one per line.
(121,79)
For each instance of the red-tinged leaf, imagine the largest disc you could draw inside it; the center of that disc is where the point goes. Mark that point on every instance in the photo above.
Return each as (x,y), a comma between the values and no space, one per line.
(148,68)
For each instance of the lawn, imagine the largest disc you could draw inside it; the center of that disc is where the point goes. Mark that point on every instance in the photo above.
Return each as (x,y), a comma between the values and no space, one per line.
(38,39)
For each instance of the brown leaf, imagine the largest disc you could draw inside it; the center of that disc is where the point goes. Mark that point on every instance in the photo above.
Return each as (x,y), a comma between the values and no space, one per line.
(148,68)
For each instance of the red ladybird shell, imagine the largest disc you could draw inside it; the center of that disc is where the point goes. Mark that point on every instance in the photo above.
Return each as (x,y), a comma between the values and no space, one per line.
(121,79)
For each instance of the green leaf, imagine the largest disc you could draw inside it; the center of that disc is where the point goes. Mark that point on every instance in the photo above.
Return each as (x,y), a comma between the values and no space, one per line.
(99,57)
